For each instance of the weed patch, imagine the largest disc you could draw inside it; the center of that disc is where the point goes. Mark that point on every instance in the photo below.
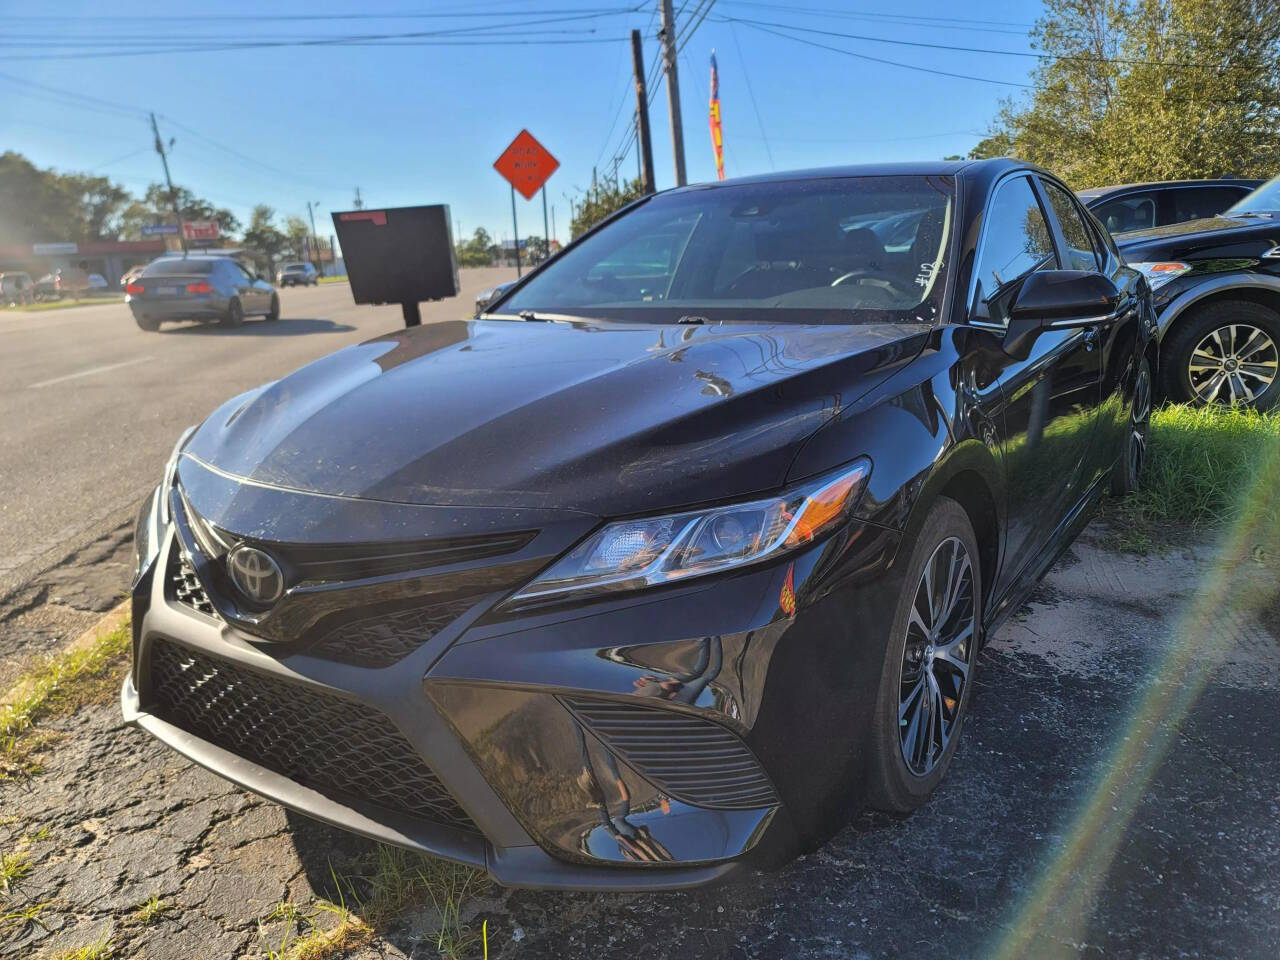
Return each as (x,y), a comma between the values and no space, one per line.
(59,686)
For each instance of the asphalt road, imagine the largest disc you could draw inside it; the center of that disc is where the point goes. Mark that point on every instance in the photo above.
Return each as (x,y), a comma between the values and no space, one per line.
(92,405)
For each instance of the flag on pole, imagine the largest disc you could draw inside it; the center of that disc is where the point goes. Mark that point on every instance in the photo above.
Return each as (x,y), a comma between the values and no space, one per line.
(717,135)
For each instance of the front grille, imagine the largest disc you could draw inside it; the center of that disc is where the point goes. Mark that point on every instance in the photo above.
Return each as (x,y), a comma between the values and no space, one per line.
(382,640)
(334,746)
(689,758)
(184,587)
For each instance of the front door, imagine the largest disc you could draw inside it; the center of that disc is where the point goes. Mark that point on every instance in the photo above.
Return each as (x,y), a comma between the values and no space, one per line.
(1051,396)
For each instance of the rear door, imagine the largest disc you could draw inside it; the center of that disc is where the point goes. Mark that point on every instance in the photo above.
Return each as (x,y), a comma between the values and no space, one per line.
(1051,396)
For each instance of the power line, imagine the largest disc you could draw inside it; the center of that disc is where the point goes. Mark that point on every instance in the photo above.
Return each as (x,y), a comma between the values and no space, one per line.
(912,20)
(428,38)
(952,47)
(891,63)
(746,76)
(294,17)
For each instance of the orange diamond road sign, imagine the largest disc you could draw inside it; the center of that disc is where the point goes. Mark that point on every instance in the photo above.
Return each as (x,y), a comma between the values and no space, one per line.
(527,164)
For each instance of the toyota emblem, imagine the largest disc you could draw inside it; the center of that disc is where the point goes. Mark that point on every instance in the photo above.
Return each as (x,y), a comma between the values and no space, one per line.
(255,574)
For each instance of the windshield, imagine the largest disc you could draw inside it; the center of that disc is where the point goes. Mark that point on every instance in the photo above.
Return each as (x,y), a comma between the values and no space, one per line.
(1264,199)
(295,268)
(177,266)
(839,250)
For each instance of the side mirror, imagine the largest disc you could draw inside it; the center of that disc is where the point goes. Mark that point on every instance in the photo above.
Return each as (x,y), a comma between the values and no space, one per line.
(1057,300)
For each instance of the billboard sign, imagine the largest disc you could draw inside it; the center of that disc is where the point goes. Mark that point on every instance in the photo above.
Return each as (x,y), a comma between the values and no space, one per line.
(200,229)
(160,229)
(53,249)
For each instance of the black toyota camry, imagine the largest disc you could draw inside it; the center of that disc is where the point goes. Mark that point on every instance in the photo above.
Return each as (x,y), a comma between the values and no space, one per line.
(675,557)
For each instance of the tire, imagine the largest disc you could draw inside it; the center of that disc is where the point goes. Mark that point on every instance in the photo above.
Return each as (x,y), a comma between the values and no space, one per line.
(149,324)
(274,312)
(896,785)
(1126,475)
(234,315)
(1216,338)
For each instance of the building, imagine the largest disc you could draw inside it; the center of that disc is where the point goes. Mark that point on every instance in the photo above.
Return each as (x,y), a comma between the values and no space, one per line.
(111,258)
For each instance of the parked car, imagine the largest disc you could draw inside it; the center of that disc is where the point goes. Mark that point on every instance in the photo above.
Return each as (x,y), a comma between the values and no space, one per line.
(199,288)
(1140,206)
(1217,295)
(489,294)
(297,274)
(16,289)
(97,283)
(63,282)
(641,577)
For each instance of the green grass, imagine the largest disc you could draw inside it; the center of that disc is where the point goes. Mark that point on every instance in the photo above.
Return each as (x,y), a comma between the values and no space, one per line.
(397,881)
(151,911)
(1207,467)
(58,686)
(341,279)
(62,304)
(102,950)
(13,867)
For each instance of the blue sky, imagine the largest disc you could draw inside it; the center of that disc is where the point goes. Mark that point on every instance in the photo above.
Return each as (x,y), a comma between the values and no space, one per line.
(423,124)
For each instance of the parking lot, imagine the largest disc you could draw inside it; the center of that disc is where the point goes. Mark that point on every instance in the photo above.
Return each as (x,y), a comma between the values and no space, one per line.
(1115,793)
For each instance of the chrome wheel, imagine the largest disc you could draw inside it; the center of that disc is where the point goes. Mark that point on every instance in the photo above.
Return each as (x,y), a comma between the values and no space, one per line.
(937,657)
(1235,363)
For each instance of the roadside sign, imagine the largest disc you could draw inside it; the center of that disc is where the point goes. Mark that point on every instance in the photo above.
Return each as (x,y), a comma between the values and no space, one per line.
(52,249)
(200,229)
(527,164)
(159,229)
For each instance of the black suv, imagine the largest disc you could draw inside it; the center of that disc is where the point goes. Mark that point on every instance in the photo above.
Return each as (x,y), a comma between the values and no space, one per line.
(1141,206)
(1217,293)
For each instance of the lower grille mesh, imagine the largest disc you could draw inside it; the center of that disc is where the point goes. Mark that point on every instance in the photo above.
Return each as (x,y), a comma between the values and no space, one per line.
(690,759)
(382,640)
(334,746)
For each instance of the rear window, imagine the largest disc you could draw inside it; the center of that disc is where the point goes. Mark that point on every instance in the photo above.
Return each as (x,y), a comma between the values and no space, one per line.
(295,268)
(178,266)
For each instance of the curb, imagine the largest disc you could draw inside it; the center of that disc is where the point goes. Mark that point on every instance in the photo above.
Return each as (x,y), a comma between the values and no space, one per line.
(112,620)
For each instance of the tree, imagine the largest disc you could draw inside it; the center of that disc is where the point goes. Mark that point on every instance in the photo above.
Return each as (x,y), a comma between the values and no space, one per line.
(1149,90)
(298,234)
(602,200)
(156,207)
(262,234)
(479,251)
(42,205)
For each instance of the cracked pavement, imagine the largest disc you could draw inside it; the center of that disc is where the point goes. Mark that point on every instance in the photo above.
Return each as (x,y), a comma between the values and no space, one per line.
(116,819)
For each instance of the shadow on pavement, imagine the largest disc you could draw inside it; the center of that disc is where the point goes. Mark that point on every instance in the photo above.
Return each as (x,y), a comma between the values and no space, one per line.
(284,327)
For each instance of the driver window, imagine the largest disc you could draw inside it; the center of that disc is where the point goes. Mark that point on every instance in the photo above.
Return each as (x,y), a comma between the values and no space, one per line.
(1015,243)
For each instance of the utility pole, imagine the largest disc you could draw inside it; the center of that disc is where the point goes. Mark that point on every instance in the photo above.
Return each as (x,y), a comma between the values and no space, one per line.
(315,242)
(553,222)
(173,196)
(515,226)
(645,152)
(546,233)
(359,204)
(668,35)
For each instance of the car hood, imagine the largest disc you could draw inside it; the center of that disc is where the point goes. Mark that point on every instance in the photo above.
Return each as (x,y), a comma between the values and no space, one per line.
(1196,236)
(605,418)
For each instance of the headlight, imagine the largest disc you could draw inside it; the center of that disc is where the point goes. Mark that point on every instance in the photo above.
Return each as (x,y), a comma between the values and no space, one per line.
(171,471)
(630,554)
(1160,273)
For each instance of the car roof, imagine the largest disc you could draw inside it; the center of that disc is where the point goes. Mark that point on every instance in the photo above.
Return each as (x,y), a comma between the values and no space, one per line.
(923,168)
(1094,192)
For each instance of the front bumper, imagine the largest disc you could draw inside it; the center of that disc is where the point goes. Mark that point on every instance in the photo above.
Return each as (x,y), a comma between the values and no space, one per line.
(541,728)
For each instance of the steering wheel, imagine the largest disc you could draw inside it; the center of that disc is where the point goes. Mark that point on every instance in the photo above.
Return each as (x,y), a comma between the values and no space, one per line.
(758,267)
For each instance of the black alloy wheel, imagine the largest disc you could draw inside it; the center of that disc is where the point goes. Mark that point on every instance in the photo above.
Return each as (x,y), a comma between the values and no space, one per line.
(235,314)
(1126,476)
(926,682)
(1226,353)
(274,312)
(936,657)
